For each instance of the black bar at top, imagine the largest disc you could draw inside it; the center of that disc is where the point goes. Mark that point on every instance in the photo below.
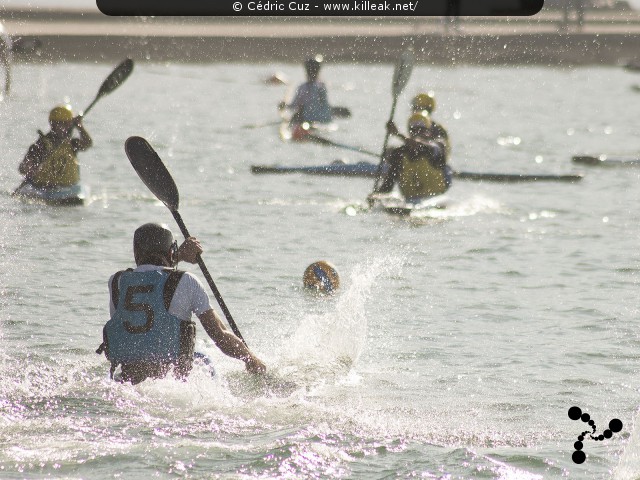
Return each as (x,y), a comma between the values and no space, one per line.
(360,8)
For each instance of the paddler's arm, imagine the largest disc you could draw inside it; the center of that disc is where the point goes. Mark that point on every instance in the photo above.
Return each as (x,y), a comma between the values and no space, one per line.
(393,173)
(298,100)
(84,141)
(392,129)
(228,343)
(32,159)
(436,149)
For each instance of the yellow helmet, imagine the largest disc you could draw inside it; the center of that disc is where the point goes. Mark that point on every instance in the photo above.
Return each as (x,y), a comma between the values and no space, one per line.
(61,113)
(419,119)
(423,101)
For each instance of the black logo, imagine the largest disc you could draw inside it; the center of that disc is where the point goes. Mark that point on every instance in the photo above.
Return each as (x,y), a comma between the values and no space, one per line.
(575,413)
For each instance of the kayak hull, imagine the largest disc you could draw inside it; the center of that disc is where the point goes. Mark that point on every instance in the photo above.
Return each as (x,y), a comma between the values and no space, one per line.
(370,170)
(397,206)
(605,161)
(298,132)
(73,195)
(200,361)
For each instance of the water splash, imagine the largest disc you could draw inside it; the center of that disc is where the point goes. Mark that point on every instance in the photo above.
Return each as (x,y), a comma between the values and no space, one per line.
(333,341)
(629,465)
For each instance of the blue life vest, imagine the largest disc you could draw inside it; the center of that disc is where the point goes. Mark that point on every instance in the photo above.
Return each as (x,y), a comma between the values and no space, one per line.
(141,329)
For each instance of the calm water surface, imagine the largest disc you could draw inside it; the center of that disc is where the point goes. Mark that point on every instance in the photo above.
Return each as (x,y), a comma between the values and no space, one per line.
(457,342)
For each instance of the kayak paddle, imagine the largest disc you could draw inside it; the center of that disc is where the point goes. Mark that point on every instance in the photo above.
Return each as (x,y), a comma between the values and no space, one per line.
(260,125)
(157,178)
(338,112)
(401,76)
(113,81)
(325,141)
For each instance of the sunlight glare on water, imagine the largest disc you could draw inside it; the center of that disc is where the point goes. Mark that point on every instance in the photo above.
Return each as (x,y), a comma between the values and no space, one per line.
(455,344)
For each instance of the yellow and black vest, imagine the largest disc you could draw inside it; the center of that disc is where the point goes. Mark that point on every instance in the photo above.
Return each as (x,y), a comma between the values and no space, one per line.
(60,165)
(419,178)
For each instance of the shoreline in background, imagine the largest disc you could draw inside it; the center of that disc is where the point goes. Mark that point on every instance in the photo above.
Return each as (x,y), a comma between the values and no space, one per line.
(608,37)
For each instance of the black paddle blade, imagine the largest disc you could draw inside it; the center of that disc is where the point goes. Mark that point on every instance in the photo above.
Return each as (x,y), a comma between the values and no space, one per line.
(152,171)
(117,77)
(340,112)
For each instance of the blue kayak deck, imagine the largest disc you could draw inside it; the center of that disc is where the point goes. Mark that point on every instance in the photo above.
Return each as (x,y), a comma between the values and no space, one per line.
(66,196)
(370,170)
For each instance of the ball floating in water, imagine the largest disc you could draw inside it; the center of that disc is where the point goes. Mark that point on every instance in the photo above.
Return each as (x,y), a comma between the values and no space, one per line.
(321,277)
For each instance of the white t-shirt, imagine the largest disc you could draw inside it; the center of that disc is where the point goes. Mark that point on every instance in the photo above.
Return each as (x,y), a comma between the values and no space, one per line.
(190,296)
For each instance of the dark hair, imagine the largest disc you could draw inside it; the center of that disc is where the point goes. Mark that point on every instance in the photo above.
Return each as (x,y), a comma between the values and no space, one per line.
(152,258)
(153,244)
(312,66)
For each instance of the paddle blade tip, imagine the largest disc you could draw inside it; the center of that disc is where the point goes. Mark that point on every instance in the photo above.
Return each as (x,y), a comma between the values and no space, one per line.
(152,171)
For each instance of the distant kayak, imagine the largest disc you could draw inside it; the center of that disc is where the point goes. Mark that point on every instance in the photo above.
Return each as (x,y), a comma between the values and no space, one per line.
(72,195)
(298,132)
(370,170)
(633,66)
(606,160)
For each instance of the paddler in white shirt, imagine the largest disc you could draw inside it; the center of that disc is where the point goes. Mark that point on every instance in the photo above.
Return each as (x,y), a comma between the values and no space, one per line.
(310,104)
(150,331)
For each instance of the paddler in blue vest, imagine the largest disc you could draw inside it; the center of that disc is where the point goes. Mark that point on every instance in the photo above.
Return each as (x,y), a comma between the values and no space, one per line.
(310,104)
(419,167)
(52,161)
(426,102)
(150,331)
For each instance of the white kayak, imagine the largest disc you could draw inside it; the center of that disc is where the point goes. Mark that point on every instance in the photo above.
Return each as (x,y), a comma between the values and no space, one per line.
(398,206)
(76,194)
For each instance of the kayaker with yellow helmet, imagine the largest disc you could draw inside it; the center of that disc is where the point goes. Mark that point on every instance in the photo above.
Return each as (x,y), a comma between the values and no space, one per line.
(426,102)
(52,161)
(419,167)
(310,103)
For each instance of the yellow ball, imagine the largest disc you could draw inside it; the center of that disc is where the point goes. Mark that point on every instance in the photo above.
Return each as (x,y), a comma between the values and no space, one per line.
(321,277)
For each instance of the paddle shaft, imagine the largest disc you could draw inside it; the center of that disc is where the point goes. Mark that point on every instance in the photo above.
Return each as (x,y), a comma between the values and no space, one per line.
(400,78)
(207,276)
(260,125)
(386,142)
(95,100)
(326,141)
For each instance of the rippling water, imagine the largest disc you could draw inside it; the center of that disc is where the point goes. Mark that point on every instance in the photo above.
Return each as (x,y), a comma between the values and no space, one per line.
(457,342)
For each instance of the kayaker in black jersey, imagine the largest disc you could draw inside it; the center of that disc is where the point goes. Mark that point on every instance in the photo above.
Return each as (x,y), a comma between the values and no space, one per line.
(419,166)
(150,331)
(52,161)
(426,102)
